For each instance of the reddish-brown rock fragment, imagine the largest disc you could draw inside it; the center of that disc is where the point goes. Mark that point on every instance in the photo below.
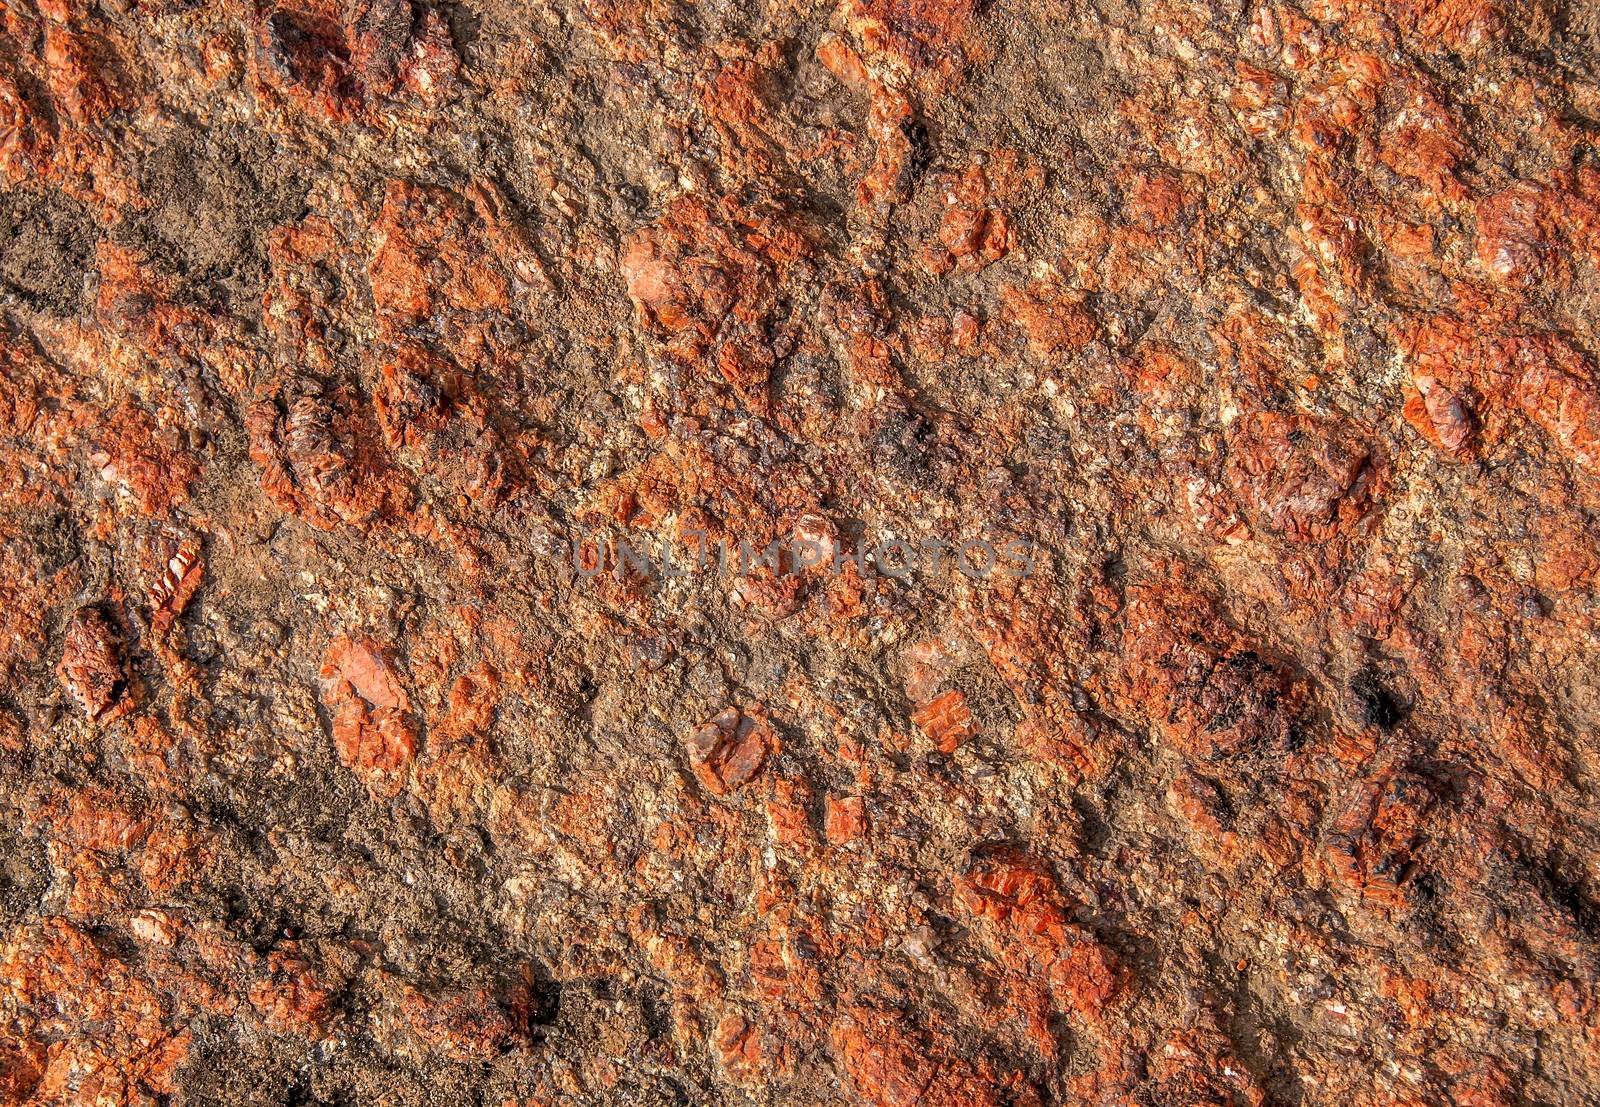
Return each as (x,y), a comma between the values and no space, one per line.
(1370,845)
(1053,964)
(972,232)
(373,730)
(888,1064)
(289,996)
(1442,415)
(105,1021)
(180,579)
(91,666)
(1300,479)
(846,819)
(727,752)
(147,460)
(318,457)
(738,1046)
(463,1026)
(1199,1067)
(947,720)
(1209,691)
(22,1065)
(1053,319)
(1563,399)
(77,79)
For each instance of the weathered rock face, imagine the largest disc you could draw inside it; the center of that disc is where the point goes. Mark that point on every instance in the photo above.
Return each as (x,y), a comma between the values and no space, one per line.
(895,552)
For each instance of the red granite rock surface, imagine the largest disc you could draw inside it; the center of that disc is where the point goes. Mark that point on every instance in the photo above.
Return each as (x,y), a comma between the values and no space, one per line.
(1265,335)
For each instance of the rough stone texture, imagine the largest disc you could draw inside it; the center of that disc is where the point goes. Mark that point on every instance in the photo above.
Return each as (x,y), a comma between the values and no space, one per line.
(328,775)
